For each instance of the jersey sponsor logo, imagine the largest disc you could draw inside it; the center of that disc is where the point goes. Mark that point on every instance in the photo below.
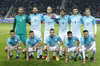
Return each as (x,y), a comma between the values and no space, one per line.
(55,39)
(34,40)
(73,40)
(65,17)
(15,39)
(23,17)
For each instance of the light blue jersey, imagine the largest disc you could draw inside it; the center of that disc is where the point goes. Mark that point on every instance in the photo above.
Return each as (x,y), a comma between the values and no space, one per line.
(53,41)
(33,41)
(88,23)
(49,22)
(36,21)
(13,42)
(88,41)
(75,23)
(71,43)
(63,23)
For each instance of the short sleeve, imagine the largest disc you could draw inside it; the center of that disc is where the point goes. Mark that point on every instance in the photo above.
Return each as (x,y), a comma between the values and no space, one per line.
(76,38)
(8,42)
(43,18)
(29,17)
(92,39)
(27,41)
(59,39)
(82,41)
(66,42)
(19,40)
(47,41)
(38,40)
(93,21)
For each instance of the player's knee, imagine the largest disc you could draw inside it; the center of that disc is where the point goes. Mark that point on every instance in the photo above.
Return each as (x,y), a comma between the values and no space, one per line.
(94,49)
(44,49)
(5,49)
(23,51)
(57,50)
(80,50)
(38,48)
(19,48)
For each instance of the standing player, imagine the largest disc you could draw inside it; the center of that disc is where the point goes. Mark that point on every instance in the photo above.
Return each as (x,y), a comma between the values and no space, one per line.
(20,24)
(36,19)
(88,22)
(52,44)
(70,45)
(14,44)
(88,44)
(49,23)
(75,25)
(63,26)
(35,44)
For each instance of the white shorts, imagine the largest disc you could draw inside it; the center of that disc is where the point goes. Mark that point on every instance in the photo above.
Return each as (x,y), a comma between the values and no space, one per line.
(52,49)
(31,49)
(38,34)
(46,34)
(63,36)
(78,35)
(71,49)
(15,49)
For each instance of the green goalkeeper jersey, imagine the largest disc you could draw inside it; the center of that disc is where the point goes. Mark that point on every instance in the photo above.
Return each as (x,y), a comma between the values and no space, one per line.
(20,23)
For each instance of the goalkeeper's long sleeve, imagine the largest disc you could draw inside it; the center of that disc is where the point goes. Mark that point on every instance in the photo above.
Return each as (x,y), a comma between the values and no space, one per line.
(14,24)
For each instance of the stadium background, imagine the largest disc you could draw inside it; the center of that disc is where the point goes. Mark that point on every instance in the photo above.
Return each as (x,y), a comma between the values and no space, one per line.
(8,9)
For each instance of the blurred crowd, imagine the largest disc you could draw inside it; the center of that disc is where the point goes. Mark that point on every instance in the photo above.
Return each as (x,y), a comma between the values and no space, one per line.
(42,5)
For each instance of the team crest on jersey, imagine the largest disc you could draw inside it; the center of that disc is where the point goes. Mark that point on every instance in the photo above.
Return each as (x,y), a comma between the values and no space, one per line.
(15,39)
(55,39)
(89,39)
(34,40)
(73,40)
(23,17)
(65,17)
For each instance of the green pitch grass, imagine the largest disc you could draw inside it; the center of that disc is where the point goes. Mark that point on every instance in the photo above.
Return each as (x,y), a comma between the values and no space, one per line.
(4,35)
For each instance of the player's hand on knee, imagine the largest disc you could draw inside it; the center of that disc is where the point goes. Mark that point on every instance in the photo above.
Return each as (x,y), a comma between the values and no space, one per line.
(84,61)
(48,59)
(66,60)
(87,51)
(27,58)
(13,49)
(34,48)
(8,58)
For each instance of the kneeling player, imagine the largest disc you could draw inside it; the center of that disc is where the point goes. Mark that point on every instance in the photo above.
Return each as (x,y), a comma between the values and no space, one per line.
(14,44)
(88,44)
(70,45)
(34,46)
(52,44)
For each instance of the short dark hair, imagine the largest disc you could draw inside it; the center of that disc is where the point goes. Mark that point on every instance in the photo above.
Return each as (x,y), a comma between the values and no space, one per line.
(12,31)
(87,9)
(69,32)
(75,8)
(35,7)
(31,31)
(20,8)
(85,31)
(52,29)
(63,10)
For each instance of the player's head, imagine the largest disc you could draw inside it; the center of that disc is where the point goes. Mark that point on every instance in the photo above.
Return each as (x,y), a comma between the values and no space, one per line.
(85,32)
(49,9)
(31,34)
(35,9)
(69,34)
(75,10)
(87,11)
(12,33)
(62,11)
(52,32)
(20,10)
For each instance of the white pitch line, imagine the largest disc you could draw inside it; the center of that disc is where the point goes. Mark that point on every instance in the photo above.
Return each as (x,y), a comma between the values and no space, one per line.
(8,32)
